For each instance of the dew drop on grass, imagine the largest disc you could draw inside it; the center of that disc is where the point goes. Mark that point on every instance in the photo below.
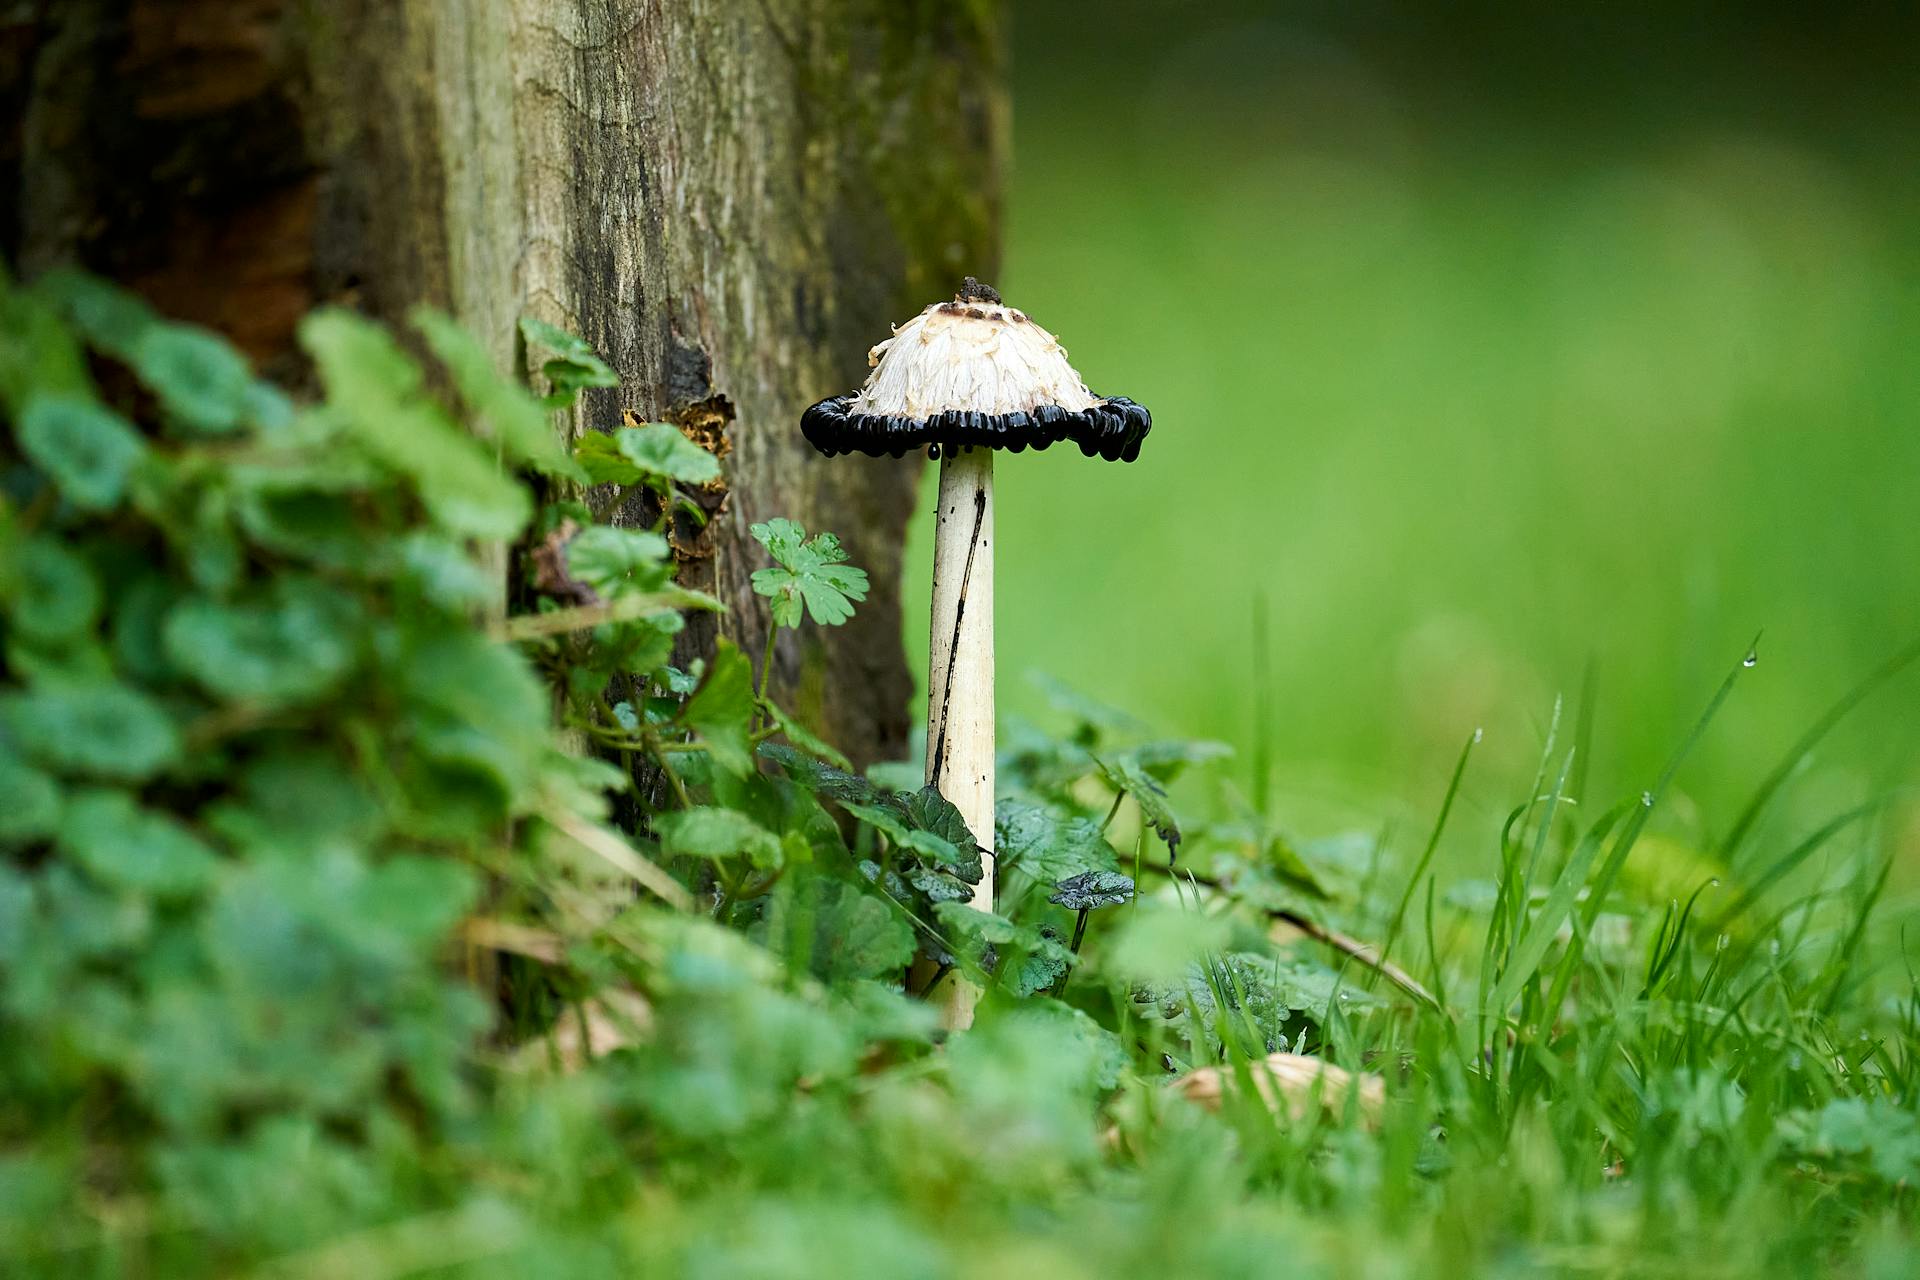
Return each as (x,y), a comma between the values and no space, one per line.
(1646,799)
(1751,660)
(1724,942)
(1479,734)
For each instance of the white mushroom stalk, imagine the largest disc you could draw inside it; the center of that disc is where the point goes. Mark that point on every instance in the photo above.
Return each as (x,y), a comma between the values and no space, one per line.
(961,379)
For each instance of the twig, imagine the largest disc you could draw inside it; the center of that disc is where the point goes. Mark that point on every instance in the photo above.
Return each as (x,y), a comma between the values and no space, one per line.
(621,855)
(1363,952)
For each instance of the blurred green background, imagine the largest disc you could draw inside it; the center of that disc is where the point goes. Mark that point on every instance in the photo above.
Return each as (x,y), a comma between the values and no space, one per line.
(1485,349)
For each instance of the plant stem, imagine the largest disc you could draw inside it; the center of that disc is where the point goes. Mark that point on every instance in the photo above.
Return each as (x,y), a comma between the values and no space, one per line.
(766,670)
(1119,799)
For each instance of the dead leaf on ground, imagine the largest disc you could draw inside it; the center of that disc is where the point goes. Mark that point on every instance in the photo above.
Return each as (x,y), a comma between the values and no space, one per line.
(1298,1082)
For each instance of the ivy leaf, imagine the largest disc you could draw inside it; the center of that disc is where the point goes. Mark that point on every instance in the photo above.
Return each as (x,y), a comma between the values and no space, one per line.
(619,561)
(575,364)
(1041,843)
(381,398)
(51,592)
(660,449)
(1091,890)
(513,416)
(29,801)
(128,847)
(811,572)
(87,451)
(721,710)
(197,376)
(296,643)
(707,832)
(103,730)
(1124,774)
(111,318)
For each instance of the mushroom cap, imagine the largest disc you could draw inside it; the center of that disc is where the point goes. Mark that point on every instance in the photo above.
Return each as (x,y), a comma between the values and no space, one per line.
(974,372)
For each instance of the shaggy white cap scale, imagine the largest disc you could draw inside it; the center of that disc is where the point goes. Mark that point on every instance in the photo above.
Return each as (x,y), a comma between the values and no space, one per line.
(970,356)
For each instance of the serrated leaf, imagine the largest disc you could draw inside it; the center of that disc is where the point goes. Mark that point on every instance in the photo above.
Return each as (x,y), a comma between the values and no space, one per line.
(1091,890)
(197,376)
(512,415)
(128,847)
(721,709)
(618,562)
(928,810)
(823,779)
(51,592)
(295,643)
(99,730)
(939,886)
(659,449)
(87,451)
(708,832)
(1040,970)
(1048,846)
(841,932)
(1125,775)
(811,574)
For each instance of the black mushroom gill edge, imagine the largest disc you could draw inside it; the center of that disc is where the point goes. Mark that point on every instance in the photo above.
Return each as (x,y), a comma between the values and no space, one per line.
(1112,429)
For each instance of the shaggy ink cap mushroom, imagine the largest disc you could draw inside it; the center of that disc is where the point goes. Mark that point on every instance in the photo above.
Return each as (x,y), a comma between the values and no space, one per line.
(974,373)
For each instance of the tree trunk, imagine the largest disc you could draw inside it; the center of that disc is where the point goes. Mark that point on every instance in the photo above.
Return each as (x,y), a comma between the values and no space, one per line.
(730,199)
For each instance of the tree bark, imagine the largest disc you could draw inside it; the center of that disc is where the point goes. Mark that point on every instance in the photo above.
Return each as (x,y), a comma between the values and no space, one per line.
(731,199)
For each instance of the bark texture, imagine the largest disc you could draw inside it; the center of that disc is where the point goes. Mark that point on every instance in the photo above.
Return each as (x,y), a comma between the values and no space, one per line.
(731,199)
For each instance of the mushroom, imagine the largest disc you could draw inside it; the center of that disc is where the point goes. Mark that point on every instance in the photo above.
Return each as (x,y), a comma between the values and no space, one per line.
(962,379)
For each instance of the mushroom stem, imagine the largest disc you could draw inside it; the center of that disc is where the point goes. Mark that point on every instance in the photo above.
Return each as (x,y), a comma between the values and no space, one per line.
(960,672)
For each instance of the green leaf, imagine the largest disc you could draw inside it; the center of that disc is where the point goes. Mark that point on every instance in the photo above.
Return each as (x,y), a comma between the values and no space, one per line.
(928,810)
(721,709)
(618,562)
(197,376)
(51,593)
(812,573)
(1091,890)
(576,364)
(804,738)
(513,417)
(380,395)
(1041,968)
(442,571)
(297,643)
(838,932)
(111,318)
(971,922)
(1125,774)
(38,355)
(87,451)
(823,779)
(128,847)
(599,457)
(29,801)
(660,449)
(102,730)
(1041,843)
(706,832)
